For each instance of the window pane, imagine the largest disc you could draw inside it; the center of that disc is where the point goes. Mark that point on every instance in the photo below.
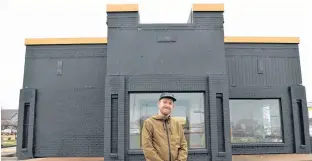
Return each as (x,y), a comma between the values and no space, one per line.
(189,108)
(310,117)
(255,121)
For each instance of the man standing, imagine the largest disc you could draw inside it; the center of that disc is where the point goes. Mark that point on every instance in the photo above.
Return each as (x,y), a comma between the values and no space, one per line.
(163,137)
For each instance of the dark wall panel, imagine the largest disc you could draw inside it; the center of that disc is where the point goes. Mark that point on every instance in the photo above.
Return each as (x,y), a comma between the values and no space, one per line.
(70,81)
(118,19)
(70,123)
(211,19)
(154,83)
(79,65)
(219,117)
(114,146)
(186,49)
(26,123)
(263,65)
(300,119)
(159,51)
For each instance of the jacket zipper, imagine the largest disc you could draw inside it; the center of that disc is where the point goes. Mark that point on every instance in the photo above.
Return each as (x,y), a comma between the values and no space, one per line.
(168,141)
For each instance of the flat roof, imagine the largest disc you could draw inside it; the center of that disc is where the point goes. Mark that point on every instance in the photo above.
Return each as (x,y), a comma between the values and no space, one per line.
(122,7)
(208,7)
(135,7)
(55,41)
(103,40)
(277,40)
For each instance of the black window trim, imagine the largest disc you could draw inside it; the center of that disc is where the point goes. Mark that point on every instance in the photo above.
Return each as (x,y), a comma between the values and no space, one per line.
(272,144)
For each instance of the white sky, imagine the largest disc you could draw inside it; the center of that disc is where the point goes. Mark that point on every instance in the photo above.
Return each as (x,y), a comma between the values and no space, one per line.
(20,19)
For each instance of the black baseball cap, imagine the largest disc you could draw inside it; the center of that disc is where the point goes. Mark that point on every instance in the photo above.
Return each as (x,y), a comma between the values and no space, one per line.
(167,95)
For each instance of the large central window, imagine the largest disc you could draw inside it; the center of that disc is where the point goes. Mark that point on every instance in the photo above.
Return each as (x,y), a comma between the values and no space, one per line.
(255,121)
(189,109)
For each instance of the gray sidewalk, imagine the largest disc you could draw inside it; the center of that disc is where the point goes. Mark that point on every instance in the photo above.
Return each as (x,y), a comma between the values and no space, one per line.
(8,158)
(8,152)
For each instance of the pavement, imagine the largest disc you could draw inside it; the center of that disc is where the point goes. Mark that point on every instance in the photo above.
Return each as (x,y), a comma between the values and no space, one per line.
(56,159)
(9,159)
(69,159)
(8,152)
(273,157)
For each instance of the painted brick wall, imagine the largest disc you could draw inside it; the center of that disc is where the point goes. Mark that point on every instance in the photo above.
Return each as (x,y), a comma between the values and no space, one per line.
(167,57)
(270,71)
(263,64)
(122,85)
(185,49)
(69,106)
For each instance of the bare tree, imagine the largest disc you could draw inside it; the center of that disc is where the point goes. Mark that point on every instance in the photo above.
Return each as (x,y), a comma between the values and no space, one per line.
(5,124)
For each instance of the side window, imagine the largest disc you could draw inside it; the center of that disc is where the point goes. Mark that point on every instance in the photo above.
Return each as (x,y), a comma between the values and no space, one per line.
(255,121)
(310,118)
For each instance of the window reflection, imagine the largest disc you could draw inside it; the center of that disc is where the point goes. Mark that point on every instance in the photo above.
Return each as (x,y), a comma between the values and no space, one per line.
(255,121)
(189,109)
(310,117)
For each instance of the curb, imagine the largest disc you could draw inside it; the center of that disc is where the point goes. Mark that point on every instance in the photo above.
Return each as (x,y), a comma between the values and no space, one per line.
(8,146)
(8,155)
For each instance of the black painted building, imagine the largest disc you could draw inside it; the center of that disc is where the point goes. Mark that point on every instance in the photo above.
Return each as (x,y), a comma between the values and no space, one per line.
(90,96)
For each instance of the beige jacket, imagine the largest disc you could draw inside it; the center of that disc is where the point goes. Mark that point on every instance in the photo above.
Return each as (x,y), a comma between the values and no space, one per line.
(163,137)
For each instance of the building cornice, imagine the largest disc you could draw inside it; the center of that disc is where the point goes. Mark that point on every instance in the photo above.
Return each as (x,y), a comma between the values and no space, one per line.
(103,40)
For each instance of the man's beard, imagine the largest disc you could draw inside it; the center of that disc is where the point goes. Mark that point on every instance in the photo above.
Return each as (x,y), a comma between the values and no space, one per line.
(165,113)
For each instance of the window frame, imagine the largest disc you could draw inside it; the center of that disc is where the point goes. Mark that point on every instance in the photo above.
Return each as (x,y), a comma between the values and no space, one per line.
(260,92)
(209,85)
(204,103)
(274,144)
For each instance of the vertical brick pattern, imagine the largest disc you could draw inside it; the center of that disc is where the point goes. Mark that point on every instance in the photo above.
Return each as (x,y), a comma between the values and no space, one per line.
(218,84)
(286,114)
(280,65)
(115,85)
(27,96)
(300,119)
(121,117)
(220,122)
(114,123)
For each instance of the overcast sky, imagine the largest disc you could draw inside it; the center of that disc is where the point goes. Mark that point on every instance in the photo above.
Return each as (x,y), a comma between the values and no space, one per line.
(20,19)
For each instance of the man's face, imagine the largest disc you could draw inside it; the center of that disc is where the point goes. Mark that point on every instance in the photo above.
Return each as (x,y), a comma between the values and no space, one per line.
(165,106)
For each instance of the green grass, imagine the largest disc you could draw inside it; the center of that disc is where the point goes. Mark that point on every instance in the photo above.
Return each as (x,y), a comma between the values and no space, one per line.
(8,143)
